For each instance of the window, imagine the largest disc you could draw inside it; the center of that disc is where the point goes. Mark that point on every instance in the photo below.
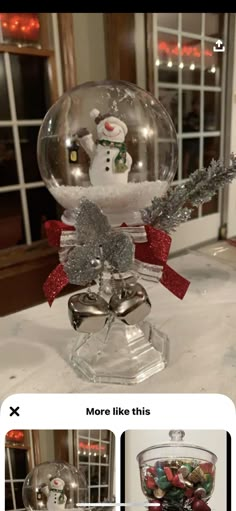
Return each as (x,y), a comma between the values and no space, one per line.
(29,85)
(18,462)
(189,78)
(37,63)
(94,454)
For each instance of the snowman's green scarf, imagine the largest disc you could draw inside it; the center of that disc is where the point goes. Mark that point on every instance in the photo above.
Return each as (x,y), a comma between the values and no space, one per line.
(120,160)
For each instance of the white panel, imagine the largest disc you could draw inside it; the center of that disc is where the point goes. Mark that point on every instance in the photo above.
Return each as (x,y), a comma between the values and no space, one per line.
(232,188)
(90,54)
(140,56)
(46,442)
(195,232)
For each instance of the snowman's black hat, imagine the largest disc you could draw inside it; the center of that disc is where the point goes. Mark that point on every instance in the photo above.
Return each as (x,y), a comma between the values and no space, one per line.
(98,117)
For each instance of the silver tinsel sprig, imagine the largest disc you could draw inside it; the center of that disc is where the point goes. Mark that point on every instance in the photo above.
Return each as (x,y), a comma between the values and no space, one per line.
(168,212)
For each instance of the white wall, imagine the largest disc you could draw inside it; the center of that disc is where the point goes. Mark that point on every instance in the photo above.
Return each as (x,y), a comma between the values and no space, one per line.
(136,441)
(231,221)
(46,442)
(89,46)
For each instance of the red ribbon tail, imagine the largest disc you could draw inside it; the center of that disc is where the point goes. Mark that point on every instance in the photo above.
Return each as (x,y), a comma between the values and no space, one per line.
(53,229)
(54,284)
(174,282)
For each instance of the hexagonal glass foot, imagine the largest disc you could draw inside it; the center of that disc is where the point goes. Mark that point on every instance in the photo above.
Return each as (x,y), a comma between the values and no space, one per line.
(120,353)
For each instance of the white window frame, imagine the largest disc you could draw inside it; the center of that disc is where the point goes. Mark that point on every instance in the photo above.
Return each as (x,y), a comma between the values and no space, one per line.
(80,464)
(207,227)
(230,211)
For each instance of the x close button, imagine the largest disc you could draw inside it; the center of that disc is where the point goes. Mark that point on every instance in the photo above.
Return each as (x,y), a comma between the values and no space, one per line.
(14,411)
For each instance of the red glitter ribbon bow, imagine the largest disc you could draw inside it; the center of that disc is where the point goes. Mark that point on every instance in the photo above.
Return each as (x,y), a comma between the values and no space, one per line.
(154,251)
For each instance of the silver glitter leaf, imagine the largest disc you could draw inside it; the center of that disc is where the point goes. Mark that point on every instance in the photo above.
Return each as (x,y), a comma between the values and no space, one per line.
(119,251)
(79,266)
(95,244)
(91,224)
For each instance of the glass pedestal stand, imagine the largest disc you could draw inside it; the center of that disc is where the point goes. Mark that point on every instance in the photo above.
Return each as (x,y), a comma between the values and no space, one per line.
(120,353)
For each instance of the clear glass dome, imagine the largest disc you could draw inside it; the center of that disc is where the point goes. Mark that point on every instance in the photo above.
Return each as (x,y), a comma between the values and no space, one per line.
(54,484)
(111,142)
(177,475)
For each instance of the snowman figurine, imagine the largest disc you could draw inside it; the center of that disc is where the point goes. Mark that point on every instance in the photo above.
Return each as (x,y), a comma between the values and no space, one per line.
(110,162)
(56,497)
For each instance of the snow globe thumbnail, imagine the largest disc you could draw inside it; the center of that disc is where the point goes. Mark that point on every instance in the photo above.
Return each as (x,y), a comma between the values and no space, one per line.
(53,486)
(111,142)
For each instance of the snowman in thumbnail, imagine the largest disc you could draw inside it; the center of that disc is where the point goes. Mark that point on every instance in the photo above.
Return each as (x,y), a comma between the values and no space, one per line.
(56,496)
(110,162)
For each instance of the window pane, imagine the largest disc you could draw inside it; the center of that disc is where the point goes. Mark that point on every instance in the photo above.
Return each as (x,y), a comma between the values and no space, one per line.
(94,433)
(42,206)
(105,434)
(192,22)
(20,27)
(7,473)
(19,463)
(104,475)
(210,207)
(214,24)
(28,140)
(84,469)
(8,169)
(191,111)
(94,449)
(212,111)
(168,19)
(213,65)
(104,495)
(94,495)
(31,86)
(167,58)
(11,220)
(169,99)
(83,432)
(190,156)
(94,475)
(191,61)
(18,495)
(4,103)
(104,453)
(211,149)
(8,497)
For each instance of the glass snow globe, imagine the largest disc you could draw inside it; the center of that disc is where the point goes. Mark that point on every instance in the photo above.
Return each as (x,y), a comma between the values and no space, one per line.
(53,486)
(111,142)
(177,476)
(114,144)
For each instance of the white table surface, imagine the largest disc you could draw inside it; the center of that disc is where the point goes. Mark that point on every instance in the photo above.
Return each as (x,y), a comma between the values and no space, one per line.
(201,329)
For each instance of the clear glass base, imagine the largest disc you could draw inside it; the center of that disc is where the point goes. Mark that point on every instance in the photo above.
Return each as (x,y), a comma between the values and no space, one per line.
(120,353)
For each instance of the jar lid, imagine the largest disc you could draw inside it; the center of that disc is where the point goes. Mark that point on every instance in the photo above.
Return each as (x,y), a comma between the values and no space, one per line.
(176,448)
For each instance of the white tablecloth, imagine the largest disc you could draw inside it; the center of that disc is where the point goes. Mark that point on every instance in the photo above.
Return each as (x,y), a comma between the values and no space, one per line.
(201,329)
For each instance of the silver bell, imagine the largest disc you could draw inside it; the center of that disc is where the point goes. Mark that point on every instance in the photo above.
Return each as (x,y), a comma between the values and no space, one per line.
(132,305)
(88,312)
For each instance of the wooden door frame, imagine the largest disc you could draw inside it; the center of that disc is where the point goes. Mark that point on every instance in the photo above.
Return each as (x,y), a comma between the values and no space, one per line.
(61,445)
(120,46)
(67,47)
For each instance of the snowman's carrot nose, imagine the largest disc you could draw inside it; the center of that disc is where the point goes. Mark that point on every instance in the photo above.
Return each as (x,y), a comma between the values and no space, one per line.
(108,126)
